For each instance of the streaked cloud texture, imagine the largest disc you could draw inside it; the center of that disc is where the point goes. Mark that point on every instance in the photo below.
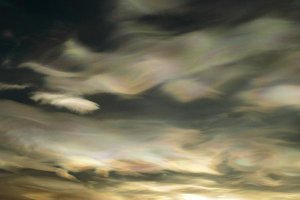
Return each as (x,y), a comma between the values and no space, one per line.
(208,114)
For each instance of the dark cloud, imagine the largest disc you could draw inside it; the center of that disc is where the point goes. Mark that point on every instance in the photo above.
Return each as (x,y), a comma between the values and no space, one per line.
(116,100)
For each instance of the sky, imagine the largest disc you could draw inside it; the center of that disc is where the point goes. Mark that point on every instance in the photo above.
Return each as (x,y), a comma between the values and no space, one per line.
(152,100)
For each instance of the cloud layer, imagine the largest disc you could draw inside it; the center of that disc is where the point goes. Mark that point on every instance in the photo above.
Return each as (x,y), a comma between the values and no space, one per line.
(206,114)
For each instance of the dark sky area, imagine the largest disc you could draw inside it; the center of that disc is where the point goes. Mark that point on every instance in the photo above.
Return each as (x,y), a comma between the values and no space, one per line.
(149,99)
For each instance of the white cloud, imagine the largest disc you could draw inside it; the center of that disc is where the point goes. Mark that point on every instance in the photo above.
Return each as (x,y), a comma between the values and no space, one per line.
(75,104)
(4,86)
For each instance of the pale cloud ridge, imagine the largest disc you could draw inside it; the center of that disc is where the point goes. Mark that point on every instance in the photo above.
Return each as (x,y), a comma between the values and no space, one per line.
(72,103)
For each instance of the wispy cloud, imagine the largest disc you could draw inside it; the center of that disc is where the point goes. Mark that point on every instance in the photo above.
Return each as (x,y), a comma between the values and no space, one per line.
(75,104)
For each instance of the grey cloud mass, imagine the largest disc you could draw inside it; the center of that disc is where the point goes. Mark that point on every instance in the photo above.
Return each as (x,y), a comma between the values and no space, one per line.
(210,112)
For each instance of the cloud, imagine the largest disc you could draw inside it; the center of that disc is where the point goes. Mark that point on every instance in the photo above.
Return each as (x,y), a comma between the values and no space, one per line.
(190,60)
(5,86)
(60,155)
(199,149)
(274,96)
(75,104)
